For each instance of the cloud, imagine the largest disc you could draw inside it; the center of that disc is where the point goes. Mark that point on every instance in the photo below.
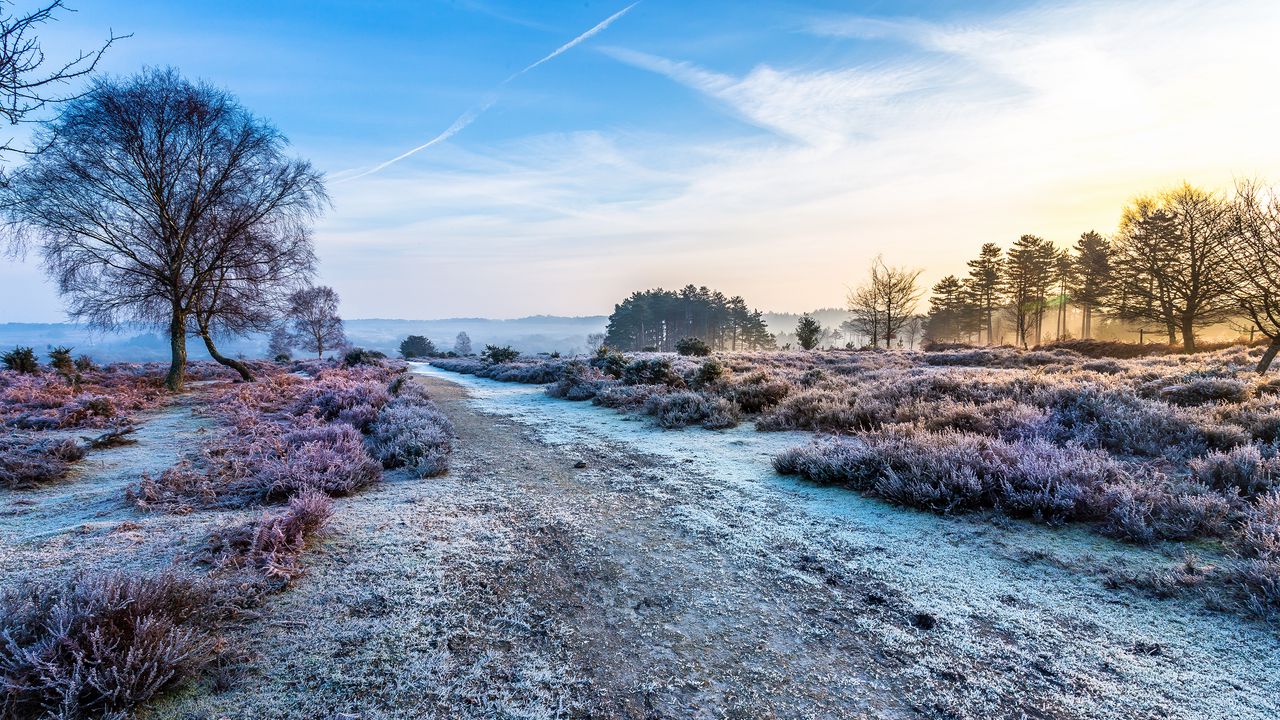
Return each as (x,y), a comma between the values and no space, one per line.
(471,114)
(1044,120)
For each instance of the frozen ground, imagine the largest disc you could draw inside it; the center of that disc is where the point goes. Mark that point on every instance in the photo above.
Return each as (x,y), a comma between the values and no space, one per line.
(677,576)
(84,522)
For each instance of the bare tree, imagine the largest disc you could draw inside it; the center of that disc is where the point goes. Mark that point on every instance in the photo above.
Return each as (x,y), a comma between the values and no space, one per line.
(1255,260)
(867,317)
(886,303)
(1172,258)
(27,81)
(162,201)
(316,324)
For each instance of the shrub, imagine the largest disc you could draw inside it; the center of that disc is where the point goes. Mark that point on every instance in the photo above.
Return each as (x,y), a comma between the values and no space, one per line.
(825,410)
(1242,469)
(757,392)
(578,381)
(692,346)
(496,355)
(1260,532)
(610,362)
(99,646)
(84,364)
(628,397)
(60,360)
(413,435)
(40,462)
(947,472)
(338,397)
(328,458)
(1206,390)
(709,373)
(21,359)
(271,545)
(683,408)
(361,356)
(651,371)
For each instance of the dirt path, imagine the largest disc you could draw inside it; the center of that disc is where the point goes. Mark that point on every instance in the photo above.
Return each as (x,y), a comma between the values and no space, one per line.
(677,576)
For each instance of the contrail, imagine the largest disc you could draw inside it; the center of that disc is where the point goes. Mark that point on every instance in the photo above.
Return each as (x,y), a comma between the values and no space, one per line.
(470,115)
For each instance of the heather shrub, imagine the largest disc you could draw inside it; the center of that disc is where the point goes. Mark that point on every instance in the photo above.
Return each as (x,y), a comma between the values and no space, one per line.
(328,458)
(628,397)
(948,472)
(22,360)
(1258,583)
(1160,509)
(757,392)
(1206,390)
(1259,534)
(99,646)
(1118,420)
(337,397)
(412,435)
(272,544)
(692,346)
(826,410)
(684,407)
(578,381)
(651,371)
(26,466)
(1244,469)
(84,364)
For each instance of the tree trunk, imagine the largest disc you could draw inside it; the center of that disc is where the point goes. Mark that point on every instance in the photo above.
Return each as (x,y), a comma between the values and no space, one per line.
(1188,335)
(236,365)
(1173,332)
(1269,355)
(177,351)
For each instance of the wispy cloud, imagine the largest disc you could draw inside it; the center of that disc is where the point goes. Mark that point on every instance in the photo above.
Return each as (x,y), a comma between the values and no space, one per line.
(1040,121)
(471,114)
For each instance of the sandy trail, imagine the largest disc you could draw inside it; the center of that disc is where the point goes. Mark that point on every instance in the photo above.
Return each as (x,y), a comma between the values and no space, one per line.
(678,576)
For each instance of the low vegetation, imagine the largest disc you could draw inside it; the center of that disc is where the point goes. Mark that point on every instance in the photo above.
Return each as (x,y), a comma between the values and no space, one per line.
(1144,447)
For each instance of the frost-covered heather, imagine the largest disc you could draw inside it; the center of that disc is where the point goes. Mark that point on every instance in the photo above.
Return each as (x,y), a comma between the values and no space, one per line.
(99,646)
(411,432)
(1142,443)
(289,435)
(271,545)
(27,462)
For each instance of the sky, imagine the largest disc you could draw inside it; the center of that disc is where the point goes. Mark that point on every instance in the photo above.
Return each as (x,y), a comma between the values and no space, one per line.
(768,149)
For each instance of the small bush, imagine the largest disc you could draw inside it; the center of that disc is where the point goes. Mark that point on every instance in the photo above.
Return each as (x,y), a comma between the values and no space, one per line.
(42,461)
(610,362)
(757,392)
(651,371)
(709,373)
(1206,390)
(683,408)
(692,346)
(84,364)
(271,545)
(329,459)
(497,355)
(361,356)
(21,359)
(1244,469)
(414,436)
(578,381)
(99,646)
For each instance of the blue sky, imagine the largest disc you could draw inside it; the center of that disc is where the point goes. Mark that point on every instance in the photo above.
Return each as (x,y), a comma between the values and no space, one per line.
(770,149)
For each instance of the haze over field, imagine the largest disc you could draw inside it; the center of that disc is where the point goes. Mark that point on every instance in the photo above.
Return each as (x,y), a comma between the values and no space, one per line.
(734,144)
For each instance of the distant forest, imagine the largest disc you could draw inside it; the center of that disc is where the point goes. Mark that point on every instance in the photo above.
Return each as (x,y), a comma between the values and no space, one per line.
(658,319)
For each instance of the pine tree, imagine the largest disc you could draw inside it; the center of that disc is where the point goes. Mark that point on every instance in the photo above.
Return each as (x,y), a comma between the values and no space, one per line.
(808,331)
(985,275)
(1091,277)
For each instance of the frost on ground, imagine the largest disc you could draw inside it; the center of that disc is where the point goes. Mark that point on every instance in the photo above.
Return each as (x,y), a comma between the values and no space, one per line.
(677,576)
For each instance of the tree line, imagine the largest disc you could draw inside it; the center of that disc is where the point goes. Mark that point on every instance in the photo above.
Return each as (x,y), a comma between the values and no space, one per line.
(658,319)
(1181,260)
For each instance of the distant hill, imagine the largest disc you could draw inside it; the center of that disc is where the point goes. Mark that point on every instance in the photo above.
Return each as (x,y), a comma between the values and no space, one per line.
(541,333)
